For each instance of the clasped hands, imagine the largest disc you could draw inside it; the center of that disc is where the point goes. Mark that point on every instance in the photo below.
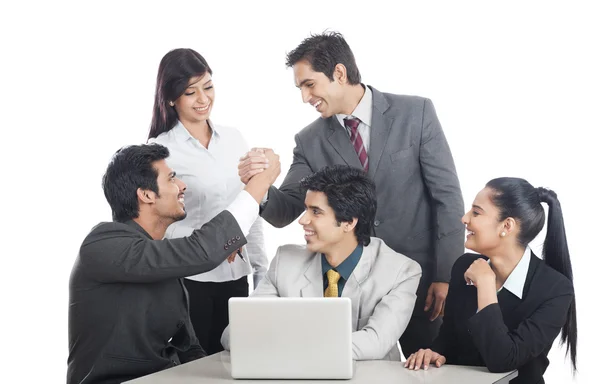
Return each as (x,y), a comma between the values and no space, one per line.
(255,162)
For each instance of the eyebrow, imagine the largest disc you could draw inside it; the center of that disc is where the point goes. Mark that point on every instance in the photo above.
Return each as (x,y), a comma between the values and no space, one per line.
(478,207)
(194,83)
(303,82)
(313,207)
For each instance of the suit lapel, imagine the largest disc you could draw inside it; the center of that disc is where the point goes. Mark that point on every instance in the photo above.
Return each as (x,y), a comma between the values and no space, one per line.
(340,141)
(380,130)
(313,286)
(352,288)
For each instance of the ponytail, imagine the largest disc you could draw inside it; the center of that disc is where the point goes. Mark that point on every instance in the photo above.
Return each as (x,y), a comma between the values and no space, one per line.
(556,255)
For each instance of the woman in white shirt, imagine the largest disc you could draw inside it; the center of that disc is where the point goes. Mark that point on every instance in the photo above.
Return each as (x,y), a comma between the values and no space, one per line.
(205,156)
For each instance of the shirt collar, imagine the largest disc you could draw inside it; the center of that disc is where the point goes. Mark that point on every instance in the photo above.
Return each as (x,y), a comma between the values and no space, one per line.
(347,266)
(364,109)
(181,133)
(515,283)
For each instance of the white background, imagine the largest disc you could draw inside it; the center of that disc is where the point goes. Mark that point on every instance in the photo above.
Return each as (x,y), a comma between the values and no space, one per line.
(515,86)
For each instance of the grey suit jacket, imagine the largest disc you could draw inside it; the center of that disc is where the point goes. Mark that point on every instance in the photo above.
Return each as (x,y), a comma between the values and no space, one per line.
(418,193)
(382,289)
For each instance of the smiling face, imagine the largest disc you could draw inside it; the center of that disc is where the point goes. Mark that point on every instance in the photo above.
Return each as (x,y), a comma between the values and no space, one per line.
(196,103)
(484,231)
(324,95)
(169,203)
(322,232)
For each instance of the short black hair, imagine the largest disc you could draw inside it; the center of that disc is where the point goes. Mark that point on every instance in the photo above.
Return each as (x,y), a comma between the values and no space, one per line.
(324,51)
(350,193)
(130,168)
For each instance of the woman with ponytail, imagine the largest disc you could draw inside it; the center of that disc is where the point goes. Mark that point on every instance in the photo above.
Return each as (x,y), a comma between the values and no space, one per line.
(505,305)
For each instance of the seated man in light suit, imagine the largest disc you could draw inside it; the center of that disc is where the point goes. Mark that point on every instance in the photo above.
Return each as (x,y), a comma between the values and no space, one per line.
(341,259)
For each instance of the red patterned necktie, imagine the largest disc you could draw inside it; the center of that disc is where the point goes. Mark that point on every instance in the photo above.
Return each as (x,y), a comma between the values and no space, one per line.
(356,139)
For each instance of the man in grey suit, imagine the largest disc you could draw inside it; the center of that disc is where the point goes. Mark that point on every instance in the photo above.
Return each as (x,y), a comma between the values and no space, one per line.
(398,140)
(340,259)
(128,307)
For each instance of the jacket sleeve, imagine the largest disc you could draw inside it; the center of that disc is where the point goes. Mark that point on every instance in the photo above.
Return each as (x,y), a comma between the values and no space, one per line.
(194,352)
(285,204)
(268,285)
(390,317)
(257,254)
(441,180)
(112,253)
(504,350)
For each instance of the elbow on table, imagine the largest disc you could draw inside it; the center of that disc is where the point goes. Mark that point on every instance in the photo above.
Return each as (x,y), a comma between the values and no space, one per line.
(501,366)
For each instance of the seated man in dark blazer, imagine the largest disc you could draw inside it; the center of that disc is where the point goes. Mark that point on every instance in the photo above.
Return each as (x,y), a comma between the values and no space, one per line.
(128,308)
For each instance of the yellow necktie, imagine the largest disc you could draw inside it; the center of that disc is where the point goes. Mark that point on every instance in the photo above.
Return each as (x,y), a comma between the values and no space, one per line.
(332,288)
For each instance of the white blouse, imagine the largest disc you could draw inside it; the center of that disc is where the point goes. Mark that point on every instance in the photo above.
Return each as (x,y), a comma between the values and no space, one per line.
(213,183)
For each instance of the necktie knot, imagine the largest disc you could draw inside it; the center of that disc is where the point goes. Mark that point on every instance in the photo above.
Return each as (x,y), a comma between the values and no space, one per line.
(332,287)
(352,123)
(333,277)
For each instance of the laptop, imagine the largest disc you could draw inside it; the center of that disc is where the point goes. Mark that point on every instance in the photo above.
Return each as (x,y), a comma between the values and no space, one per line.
(290,338)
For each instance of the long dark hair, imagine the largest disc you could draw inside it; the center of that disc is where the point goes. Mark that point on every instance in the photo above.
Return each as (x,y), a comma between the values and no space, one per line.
(175,70)
(518,199)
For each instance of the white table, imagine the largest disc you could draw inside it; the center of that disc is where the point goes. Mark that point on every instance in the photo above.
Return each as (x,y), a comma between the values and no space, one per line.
(217,369)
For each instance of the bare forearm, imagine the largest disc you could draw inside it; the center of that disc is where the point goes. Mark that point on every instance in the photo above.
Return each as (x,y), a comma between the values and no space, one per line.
(257,189)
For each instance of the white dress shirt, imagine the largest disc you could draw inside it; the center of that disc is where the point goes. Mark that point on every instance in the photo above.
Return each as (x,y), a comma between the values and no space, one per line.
(213,185)
(515,282)
(364,112)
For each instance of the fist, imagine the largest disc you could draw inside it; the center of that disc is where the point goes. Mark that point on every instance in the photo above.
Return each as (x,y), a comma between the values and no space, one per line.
(478,272)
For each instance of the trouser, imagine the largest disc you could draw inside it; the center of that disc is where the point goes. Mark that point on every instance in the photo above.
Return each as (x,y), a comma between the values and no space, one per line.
(209,309)
(420,332)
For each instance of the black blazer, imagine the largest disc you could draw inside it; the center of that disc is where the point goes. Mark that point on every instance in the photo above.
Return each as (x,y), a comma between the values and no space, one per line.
(513,334)
(128,308)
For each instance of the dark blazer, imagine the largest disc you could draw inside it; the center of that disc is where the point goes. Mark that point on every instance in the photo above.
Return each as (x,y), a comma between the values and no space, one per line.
(418,194)
(128,308)
(513,334)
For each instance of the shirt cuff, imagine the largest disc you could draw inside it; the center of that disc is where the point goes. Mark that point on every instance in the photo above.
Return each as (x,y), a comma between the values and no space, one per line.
(244,210)
(265,198)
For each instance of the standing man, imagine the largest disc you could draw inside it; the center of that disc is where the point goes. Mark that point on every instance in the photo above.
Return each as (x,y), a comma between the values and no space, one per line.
(398,140)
